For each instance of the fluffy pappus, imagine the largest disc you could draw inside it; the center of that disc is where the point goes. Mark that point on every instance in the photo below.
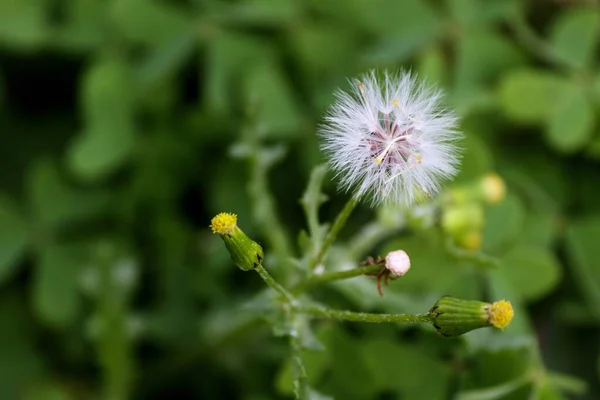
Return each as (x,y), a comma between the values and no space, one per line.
(389,140)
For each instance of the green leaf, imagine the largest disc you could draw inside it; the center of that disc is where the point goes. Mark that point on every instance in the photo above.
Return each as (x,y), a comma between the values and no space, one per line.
(23,23)
(108,139)
(263,13)
(14,236)
(54,202)
(575,35)
(567,383)
(570,125)
(532,271)
(503,224)
(475,13)
(528,95)
(494,392)
(55,285)
(269,93)
(149,22)
(406,369)
(583,250)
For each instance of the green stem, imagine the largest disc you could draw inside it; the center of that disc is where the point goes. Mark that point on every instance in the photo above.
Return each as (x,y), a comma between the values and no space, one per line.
(337,275)
(269,280)
(300,377)
(364,317)
(339,223)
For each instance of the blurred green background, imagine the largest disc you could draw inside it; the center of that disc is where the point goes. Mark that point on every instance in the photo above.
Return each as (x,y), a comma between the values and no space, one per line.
(125,125)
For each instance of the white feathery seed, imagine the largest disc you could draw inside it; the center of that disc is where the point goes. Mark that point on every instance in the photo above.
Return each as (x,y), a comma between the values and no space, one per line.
(389,139)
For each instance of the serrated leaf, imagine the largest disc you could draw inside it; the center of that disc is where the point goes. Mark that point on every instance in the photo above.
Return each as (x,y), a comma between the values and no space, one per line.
(14,235)
(570,125)
(574,36)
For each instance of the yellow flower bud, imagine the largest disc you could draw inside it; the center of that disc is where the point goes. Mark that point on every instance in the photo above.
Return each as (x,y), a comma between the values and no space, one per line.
(246,253)
(493,188)
(453,317)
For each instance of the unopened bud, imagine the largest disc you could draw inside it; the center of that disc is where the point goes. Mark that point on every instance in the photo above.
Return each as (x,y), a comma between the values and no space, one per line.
(453,317)
(397,262)
(459,219)
(245,252)
(493,188)
(471,240)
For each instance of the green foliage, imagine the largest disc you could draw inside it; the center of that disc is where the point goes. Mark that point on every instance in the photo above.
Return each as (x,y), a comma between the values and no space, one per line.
(126,125)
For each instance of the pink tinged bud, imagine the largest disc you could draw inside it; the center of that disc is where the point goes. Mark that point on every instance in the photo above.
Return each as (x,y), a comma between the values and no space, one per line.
(397,262)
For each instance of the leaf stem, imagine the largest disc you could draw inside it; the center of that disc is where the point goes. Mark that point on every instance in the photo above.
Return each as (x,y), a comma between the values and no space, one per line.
(342,315)
(339,223)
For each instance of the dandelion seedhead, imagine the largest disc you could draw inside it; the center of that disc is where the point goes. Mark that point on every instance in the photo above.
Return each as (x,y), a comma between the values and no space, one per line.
(389,139)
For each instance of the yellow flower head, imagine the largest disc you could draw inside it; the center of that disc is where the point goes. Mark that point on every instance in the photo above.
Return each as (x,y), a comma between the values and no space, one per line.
(223,223)
(501,313)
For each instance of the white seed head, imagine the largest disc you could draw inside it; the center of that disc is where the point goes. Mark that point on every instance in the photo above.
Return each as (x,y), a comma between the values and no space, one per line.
(389,139)
(397,262)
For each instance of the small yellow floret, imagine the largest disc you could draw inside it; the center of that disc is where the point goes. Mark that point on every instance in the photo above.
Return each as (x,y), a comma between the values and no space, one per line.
(493,188)
(223,223)
(396,102)
(501,313)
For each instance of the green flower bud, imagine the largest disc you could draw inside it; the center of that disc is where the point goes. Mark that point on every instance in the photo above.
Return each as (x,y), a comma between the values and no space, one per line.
(460,219)
(245,252)
(453,317)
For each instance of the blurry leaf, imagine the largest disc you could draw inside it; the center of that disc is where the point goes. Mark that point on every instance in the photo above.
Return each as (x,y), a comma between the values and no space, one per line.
(13,238)
(567,383)
(165,60)
(477,159)
(503,223)
(55,285)
(493,393)
(528,95)
(149,22)
(432,66)
(108,107)
(405,369)
(475,13)
(481,58)
(532,271)
(571,121)
(22,23)
(48,391)
(548,392)
(20,364)
(575,35)
(82,28)
(263,13)
(414,21)
(583,250)
(540,229)
(223,77)
(269,93)
(53,202)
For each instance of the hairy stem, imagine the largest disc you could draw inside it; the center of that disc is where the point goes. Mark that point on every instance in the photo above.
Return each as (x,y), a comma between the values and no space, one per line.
(269,280)
(337,275)
(341,315)
(339,223)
